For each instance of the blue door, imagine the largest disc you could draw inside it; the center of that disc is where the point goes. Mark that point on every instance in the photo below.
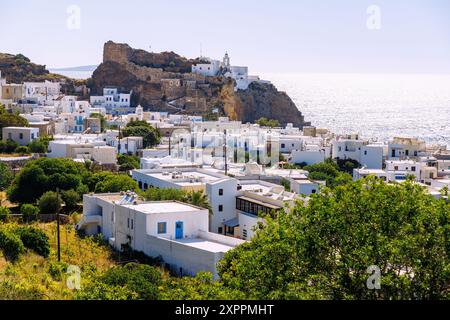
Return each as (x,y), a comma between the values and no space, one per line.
(179,230)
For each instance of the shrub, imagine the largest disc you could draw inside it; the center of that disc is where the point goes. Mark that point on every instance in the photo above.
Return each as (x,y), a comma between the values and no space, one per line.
(141,279)
(22,150)
(35,239)
(100,291)
(6,176)
(11,245)
(71,199)
(37,146)
(49,203)
(29,212)
(8,146)
(57,269)
(4,213)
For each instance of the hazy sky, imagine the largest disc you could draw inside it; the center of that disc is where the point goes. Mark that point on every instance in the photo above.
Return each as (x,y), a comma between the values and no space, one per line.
(268,36)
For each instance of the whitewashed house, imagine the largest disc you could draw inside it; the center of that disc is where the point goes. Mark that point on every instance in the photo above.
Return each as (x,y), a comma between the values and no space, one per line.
(306,187)
(254,199)
(404,148)
(210,68)
(173,231)
(21,135)
(368,155)
(113,101)
(82,149)
(219,188)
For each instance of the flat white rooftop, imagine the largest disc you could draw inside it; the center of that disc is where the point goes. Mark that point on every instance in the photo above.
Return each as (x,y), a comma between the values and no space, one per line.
(206,245)
(185,177)
(371,171)
(162,207)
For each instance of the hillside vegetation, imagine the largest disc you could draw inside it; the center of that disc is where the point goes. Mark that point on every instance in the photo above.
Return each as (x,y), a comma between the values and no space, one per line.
(19,68)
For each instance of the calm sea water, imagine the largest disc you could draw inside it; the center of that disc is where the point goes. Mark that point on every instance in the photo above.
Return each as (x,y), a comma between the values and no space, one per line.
(74,74)
(375,106)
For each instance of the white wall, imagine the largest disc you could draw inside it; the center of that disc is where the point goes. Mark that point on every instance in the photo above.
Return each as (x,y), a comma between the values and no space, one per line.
(227,201)
(372,157)
(305,187)
(309,157)
(247,223)
(22,136)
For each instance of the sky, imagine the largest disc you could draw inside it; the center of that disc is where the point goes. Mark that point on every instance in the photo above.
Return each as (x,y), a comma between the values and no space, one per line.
(283,36)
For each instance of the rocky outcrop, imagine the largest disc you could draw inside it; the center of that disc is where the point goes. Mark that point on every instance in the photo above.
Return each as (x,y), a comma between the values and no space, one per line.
(19,69)
(260,100)
(164,82)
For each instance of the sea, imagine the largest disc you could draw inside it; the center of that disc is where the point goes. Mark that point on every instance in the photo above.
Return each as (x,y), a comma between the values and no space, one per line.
(375,106)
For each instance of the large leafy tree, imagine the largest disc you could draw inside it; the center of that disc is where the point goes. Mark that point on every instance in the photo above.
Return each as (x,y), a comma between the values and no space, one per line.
(127,162)
(328,171)
(109,182)
(142,129)
(323,250)
(42,175)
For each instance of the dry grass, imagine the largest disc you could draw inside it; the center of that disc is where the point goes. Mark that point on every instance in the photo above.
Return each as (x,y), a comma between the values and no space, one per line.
(31,276)
(12,155)
(4,200)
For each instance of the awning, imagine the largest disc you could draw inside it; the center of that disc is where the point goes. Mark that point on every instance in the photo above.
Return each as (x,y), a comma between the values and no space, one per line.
(264,204)
(232,223)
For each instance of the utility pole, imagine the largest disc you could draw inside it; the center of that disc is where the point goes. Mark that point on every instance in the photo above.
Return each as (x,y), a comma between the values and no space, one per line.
(118,144)
(170,146)
(57,228)
(225,151)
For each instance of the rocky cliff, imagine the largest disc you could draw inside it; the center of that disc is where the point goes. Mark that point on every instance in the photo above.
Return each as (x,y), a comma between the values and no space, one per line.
(164,82)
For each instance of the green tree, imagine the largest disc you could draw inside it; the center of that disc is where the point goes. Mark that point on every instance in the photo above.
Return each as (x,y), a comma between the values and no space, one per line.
(328,171)
(347,165)
(157,194)
(116,183)
(10,244)
(6,176)
(22,150)
(49,203)
(71,199)
(38,146)
(271,123)
(127,162)
(199,199)
(324,249)
(142,129)
(8,146)
(34,239)
(46,174)
(29,212)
